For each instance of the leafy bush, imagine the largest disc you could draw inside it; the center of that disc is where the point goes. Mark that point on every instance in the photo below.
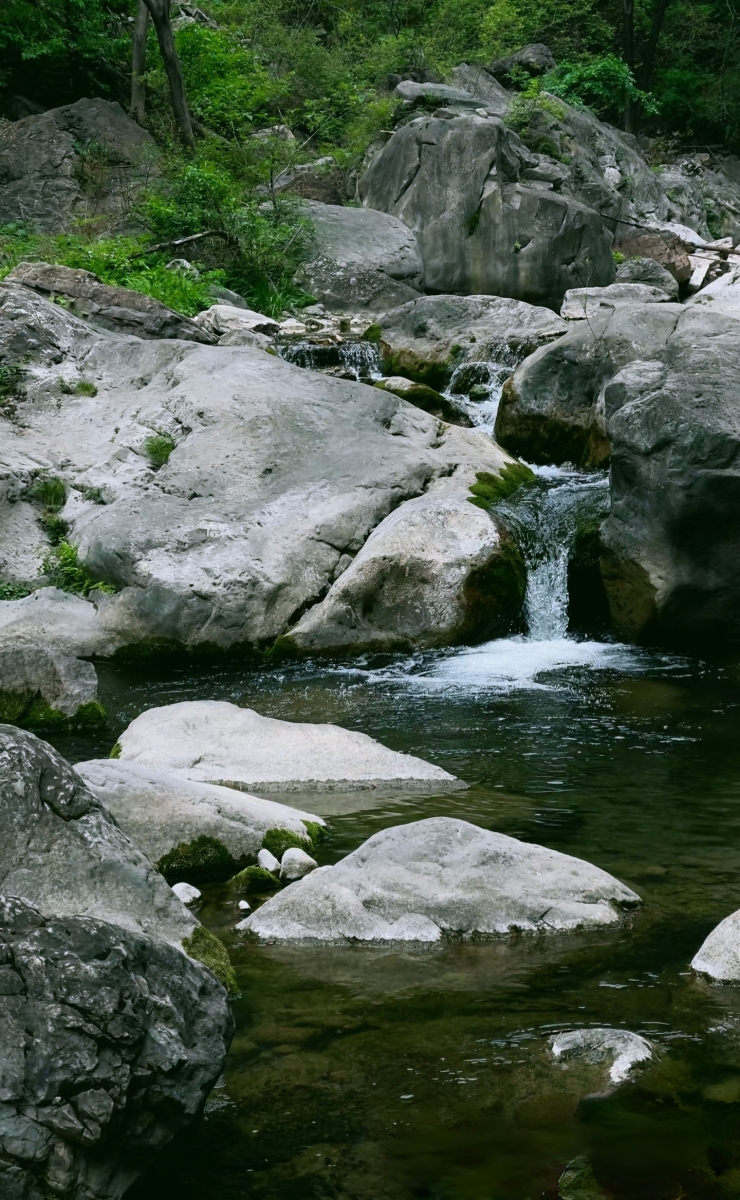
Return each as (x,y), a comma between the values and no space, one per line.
(14,591)
(64,570)
(602,84)
(50,492)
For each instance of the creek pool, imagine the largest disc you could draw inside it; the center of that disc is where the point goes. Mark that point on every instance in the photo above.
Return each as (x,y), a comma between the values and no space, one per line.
(403,1074)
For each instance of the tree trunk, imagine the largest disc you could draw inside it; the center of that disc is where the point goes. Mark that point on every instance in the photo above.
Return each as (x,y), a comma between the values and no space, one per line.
(160,13)
(648,59)
(138,63)
(631,115)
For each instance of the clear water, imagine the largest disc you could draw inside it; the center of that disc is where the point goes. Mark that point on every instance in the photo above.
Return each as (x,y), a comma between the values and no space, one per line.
(391,1074)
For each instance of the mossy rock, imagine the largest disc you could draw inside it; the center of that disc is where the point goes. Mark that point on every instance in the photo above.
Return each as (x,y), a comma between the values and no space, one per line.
(204,860)
(428,399)
(29,710)
(494,596)
(489,488)
(254,881)
(206,948)
(277,841)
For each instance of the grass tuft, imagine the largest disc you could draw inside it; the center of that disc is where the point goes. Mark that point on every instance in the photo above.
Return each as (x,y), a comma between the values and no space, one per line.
(159,448)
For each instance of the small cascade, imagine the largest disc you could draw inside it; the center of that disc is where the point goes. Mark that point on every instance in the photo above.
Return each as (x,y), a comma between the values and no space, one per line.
(350,360)
(476,388)
(545,519)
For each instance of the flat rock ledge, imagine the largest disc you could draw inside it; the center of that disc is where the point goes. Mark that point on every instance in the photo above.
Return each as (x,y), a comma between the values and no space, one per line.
(414,883)
(719,956)
(212,741)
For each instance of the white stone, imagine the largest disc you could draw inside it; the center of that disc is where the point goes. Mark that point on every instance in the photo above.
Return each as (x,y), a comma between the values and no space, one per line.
(266,859)
(244,906)
(226,318)
(415,882)
(295,864)
(719,956)
(159,809)
(186,892)
(620,1048)
(212,741)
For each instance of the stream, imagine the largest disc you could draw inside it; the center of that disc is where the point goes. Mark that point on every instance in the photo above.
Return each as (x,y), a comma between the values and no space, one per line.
(404,1074)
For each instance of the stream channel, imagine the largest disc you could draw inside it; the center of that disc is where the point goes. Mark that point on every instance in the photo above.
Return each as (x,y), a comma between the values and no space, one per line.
(374,1073)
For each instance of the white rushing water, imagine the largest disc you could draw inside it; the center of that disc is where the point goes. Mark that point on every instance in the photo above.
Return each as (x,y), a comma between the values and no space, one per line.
(490,378)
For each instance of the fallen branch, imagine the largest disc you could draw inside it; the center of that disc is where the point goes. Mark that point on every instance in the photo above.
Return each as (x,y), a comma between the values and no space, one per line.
(185,241)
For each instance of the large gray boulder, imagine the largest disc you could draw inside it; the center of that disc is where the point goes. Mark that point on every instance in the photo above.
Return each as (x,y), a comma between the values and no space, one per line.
(213,741)
(719,955)
(41,687)
(359,259)
(437,571)
(647,270)
(63,851)
(79,161)
(428,338)
(159,810)
(110,1042)
(417,882)
(116,308)
(482,227)
(582,304)
(277,478)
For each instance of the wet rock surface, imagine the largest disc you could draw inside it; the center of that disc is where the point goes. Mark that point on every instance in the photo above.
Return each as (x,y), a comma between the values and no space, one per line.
(40,686)
(110,1044)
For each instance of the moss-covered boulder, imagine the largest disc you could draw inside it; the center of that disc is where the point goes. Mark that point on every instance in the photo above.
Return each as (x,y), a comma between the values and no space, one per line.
(43,689)
(426,398)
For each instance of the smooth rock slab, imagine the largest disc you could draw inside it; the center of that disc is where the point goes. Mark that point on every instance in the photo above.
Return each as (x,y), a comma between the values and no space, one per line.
(159,809)
(212,741)
(719,956)
(416,882)
(620,1048)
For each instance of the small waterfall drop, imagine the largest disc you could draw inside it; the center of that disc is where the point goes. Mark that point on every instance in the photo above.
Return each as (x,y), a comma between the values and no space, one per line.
(544,519)
(476,388)
(357,360)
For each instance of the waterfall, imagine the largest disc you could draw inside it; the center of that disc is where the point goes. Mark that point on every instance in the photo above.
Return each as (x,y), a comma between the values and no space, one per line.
(476,388)
(544,519)
(356,360)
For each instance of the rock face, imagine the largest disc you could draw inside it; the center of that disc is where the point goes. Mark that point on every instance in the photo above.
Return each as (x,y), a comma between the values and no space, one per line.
(482,226)
(276,480)
(581,304)
(619,1048)
(719,956)
(63,851)
(115,308)
(110,1044)
(41,687)
(361,260)
(213,741)
(436,571)
(82,160)
(416,882)
(428,338)
(647,270)
(159,810)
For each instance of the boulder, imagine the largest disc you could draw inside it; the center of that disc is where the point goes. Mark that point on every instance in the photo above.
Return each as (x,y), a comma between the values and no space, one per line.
(437,571)
(433,94)
(186,892)
(533,60)
(160,810)
(481,226)
(212,741)
(481,85)
(81,161)
(719,955)
(667,251)
(580,304)
(321,180)
(426,398)
(440,875)
(115,308)
(647,270)
(64,852)
(721,296)
(295,864)
(226,318)
(619,1048)
(359,259)
(268,479)
(111,1042)
(41,687)
(428,338)
(267,861)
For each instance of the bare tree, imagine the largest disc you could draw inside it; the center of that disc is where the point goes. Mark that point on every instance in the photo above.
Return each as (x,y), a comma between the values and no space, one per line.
(138,64)
(160,14)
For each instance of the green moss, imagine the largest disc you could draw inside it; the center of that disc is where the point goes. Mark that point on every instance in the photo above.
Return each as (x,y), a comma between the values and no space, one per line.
(159,448)
(284,649)
(254,881)
(85,388)
(116,753)
(316,832)
(12,706)
(204,860)
(29,710)
(472,222)
(65,571)
(373,333)
(489,488)
(206,948)
(90,716)
(277,841)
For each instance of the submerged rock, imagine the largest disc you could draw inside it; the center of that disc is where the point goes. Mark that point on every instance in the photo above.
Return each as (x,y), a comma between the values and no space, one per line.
(416,882)
(619,1048)
(161,811)
(41,687)
(111,1042)
(213,741)
(719,956)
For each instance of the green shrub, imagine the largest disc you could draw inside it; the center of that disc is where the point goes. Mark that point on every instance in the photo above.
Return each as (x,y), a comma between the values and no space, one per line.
(85,388)
(159,448)
(603,84)
(64,570)
(206,948)
(204,860)
(12,390)
(254,881)
(15,591)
